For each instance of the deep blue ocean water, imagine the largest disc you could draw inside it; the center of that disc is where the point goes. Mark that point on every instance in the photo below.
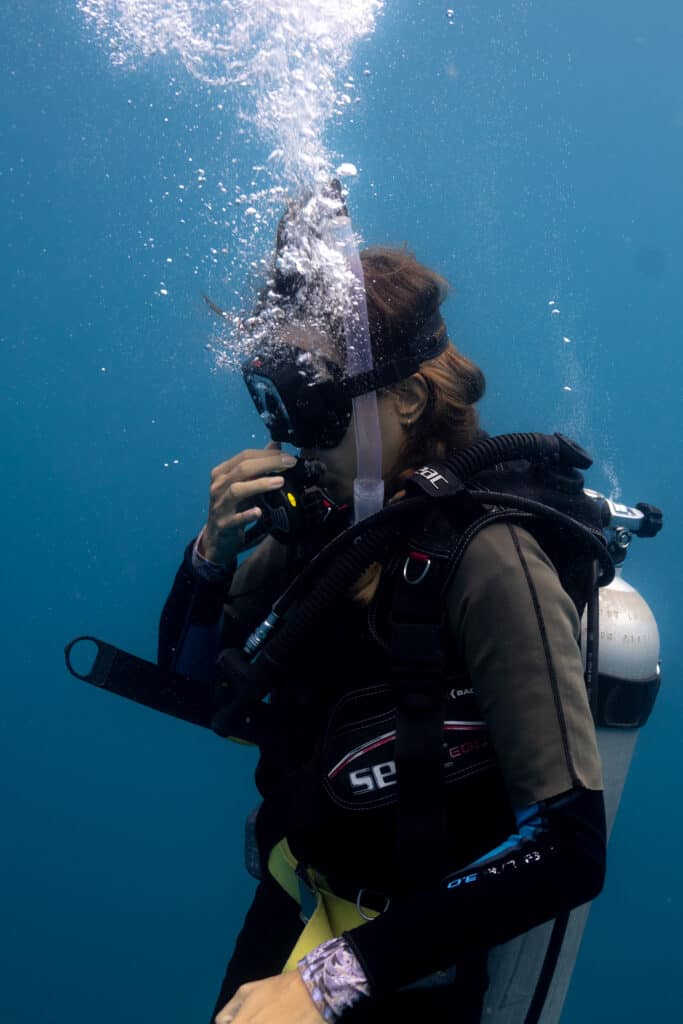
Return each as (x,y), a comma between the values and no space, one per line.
(530,152)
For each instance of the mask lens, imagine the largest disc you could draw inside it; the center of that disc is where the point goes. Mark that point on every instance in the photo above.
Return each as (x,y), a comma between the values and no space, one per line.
(270,407)
(297,403)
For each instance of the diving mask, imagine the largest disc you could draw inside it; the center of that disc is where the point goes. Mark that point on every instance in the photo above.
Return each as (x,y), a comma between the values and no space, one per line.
(306,399)
(300,396)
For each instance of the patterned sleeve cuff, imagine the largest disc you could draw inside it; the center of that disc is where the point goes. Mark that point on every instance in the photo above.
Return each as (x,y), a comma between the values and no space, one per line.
(212,572)
(334,978)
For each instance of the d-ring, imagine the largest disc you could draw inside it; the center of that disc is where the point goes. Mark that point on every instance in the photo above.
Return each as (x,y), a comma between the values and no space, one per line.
(359,908)
(418,579)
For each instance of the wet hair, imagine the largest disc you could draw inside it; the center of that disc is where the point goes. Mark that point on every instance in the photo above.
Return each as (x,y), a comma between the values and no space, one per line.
(401,291)
(403,294)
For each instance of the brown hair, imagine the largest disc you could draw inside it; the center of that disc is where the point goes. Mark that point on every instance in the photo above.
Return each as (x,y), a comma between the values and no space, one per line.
(402,293)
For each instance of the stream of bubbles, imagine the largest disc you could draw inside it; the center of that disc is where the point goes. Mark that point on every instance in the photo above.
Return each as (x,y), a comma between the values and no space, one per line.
(284,65)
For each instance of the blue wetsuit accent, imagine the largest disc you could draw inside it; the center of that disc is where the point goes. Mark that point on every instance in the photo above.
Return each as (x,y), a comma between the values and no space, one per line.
(553,863)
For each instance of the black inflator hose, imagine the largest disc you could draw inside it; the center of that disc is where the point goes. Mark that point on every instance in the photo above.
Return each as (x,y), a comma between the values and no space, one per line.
(372,539)
(352,561)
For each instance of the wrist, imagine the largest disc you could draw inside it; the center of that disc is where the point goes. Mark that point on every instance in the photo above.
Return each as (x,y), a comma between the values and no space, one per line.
(210,568)
(334,978)
(213,550)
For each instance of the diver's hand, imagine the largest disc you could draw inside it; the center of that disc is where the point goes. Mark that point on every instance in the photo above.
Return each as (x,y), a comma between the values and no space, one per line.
(283,999)
(234,485)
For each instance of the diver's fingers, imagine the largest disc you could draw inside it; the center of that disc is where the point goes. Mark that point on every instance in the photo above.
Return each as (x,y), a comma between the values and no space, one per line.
(243,489)
(235,460)
(252,463)
(250,469)
(250,515)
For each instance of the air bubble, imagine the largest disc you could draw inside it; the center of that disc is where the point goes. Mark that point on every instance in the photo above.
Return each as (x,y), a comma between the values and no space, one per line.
(284,70)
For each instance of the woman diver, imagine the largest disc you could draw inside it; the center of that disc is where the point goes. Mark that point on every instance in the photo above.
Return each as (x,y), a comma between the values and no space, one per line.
(416,869)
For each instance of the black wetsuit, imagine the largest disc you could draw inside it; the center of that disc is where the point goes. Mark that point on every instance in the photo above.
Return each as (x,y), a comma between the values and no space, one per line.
(526,816)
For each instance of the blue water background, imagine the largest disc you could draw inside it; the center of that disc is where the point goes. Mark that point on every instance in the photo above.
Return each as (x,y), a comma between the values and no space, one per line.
(531,152)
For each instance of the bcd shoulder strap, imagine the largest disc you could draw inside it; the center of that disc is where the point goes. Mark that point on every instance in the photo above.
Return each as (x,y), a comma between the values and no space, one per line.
(418,649)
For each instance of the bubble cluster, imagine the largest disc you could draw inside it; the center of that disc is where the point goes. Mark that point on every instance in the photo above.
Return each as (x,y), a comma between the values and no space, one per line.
(310,282)
(287,61)
(284,66)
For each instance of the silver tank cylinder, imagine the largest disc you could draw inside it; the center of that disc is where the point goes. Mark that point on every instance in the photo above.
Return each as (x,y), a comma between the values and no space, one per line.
(628,656)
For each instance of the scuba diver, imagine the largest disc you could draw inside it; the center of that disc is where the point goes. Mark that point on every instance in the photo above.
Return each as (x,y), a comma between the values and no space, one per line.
(428,822)
(404,644)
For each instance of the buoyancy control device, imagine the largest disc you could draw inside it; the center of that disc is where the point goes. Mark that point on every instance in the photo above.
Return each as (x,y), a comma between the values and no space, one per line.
(530,478)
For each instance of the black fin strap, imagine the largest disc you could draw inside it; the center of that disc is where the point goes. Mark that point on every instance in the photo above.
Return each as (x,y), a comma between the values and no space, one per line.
(192,700)
(145,683)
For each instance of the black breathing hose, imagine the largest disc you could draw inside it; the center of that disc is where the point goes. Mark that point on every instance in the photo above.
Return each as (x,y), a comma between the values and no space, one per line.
(551,448)
(481,455)
(602,555)
(372,539)
(353,560)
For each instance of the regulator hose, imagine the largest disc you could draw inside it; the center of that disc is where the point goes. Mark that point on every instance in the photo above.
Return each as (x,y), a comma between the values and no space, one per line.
(373,539)
(552,448)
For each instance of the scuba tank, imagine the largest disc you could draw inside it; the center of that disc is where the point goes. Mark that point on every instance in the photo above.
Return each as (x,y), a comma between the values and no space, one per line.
(530,975)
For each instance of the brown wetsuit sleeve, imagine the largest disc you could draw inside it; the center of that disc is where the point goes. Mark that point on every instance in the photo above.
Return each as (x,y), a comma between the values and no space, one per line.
(518,632)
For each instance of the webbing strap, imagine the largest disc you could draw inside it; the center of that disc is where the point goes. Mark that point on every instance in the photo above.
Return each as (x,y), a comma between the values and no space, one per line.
(422,822)
(547,973)
(417,678)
